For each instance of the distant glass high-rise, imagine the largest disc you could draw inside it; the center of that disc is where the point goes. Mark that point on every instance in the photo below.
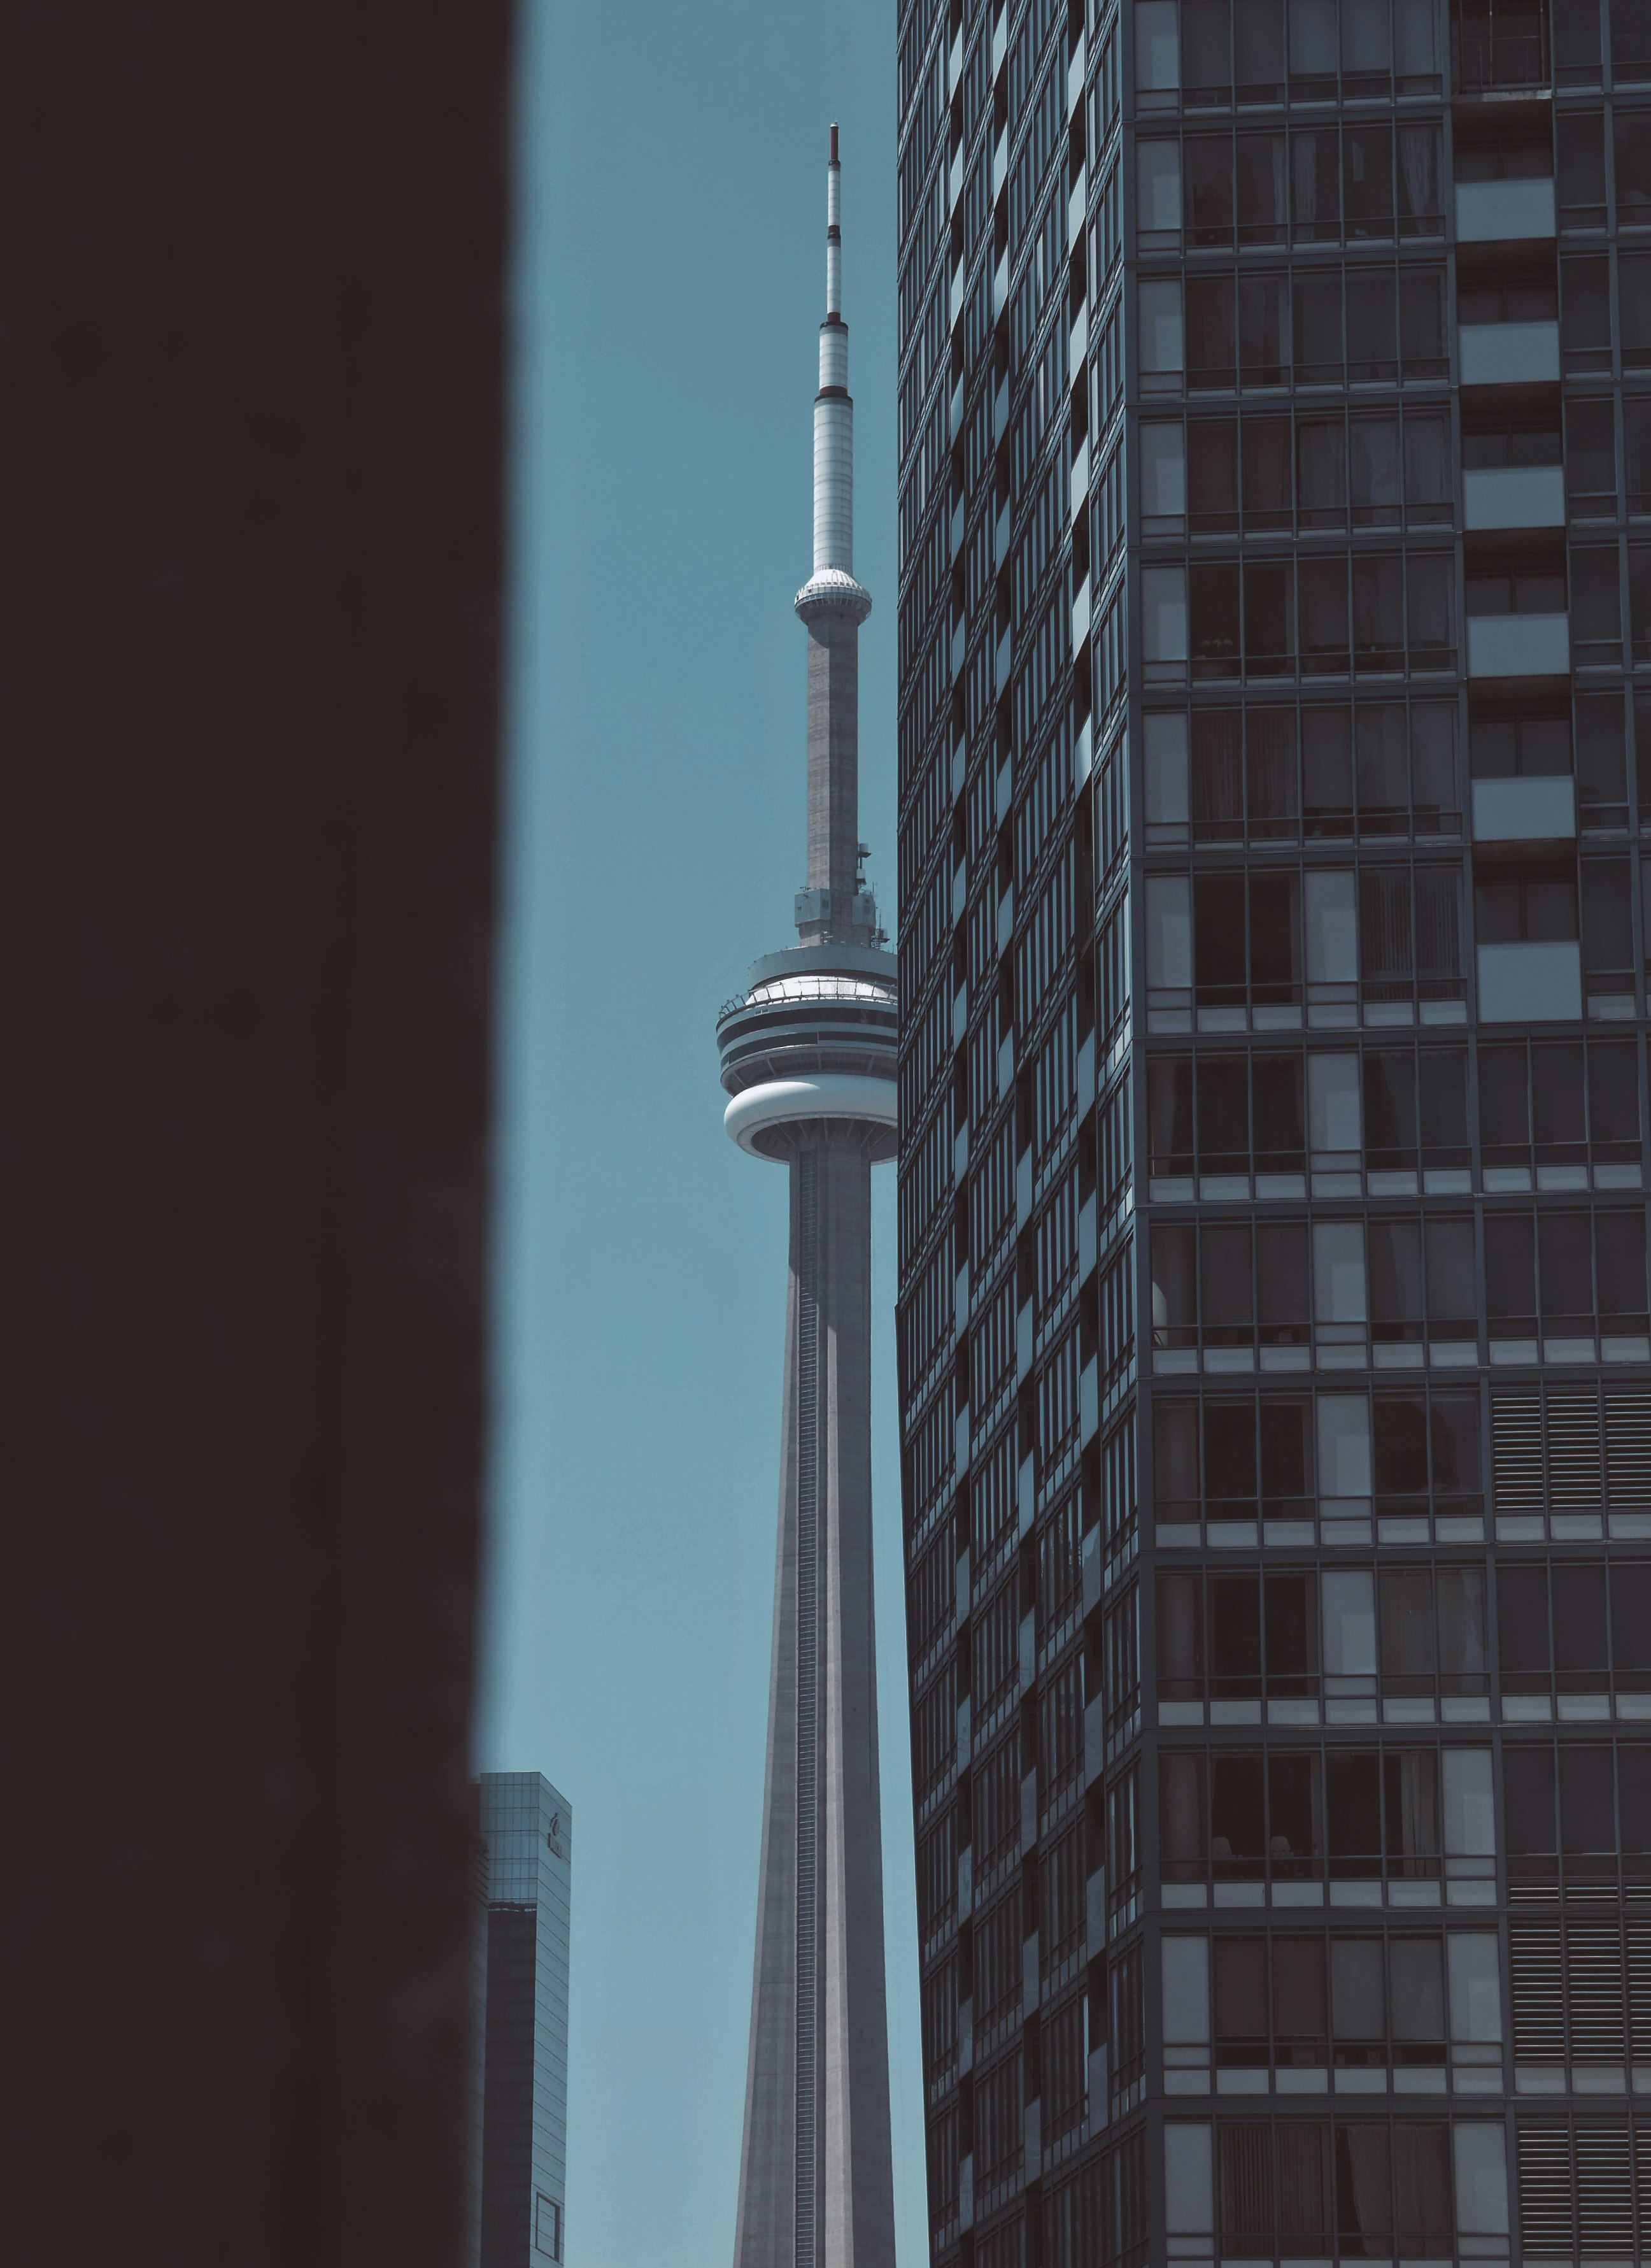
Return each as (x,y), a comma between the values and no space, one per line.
(526,1831)
(1275,649)
(807,1061)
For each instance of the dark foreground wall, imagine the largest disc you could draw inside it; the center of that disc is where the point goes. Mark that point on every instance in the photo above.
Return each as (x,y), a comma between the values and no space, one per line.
(251,345)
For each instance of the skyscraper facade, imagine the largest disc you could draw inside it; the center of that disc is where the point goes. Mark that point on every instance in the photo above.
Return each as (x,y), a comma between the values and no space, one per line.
(808,1061)
(526,1832)
(1275,1368)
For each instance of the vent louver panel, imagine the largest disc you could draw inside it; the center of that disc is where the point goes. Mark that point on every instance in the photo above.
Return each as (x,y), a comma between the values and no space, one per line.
(1628,1447)
(1537,1979)
(1547,2204)
(1593,1977)
(1516,1452)
(1604,2194)
(1575,1481)
(1640,1991)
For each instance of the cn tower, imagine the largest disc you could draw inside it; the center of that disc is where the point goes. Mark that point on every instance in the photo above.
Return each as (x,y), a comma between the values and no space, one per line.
(808,1058)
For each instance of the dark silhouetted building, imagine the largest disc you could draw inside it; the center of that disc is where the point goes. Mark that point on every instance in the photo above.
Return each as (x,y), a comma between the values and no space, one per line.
(1275,1369)
(527,1831)
(249,686)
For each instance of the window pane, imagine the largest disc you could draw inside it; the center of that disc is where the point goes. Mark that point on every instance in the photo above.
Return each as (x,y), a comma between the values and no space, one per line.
(1566,1271)
(1279,1144)
(1521,1625)
(1454,1426)
(1452,1286)
(1619,1240)
(1409,1808)
(1263,329)
(1587,1818)
(1258,33)
(1400,1445)
(1298,1998)
(1326,733)
(1396,1279)
(1211,359)
(1368,181)
(1416,1985)
(1383,762)
(1217,777)
(1213,473)
(1241,2000)
(1372,336)
(1263,187)
(1602,770)
(1462,1650)
(1245,2177)
(1284,1434)
(1510,1287)
(1363,2192)
(1270,768)
(1354,1810)
(1389,1108)
(1236,1809)
(1358,2000)
(1407,1636)
(1580,1654)
(1318,318)
(1266,472)
(1527,1797)
(1229,1450)
(1421,2181)
(1207,159)
(1282,1282)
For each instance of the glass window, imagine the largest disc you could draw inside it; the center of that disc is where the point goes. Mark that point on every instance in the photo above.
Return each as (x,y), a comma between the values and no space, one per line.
(1185,1990)
(1601,764)
(1162,478)
(1241,2001)
(1207,162)
(1157,46)
(1212,355)
(1590,459)
(1162,347)
(1633,308)
(1313,45)
(1158,188)
(1318,328)
(1632,132)
(1258,59)
(1579,180)
(1476,1996)
(1267,473)
(1263,191)
(1206,51)
(1367,180)
(1212,476)
(1481,2160)
(1585,299)
(1364,2191)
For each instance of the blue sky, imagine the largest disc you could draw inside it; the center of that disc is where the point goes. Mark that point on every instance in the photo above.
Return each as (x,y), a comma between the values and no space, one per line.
(669,284)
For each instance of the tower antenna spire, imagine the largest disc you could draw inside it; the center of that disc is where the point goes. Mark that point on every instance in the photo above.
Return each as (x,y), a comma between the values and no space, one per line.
(833,907)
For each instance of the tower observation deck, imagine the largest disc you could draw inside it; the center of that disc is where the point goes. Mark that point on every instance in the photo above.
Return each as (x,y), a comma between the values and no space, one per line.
(807,1061)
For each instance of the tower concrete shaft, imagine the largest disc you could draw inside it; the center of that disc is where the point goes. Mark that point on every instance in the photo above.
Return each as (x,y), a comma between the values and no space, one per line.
(808,1059)
(816,2180)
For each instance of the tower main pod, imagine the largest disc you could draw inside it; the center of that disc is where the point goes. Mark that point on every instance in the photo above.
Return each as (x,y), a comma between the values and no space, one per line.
(808,1058)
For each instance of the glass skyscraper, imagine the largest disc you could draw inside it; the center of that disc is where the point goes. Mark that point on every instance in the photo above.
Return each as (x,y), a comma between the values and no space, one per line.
(1275,1365)
(526,1829)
